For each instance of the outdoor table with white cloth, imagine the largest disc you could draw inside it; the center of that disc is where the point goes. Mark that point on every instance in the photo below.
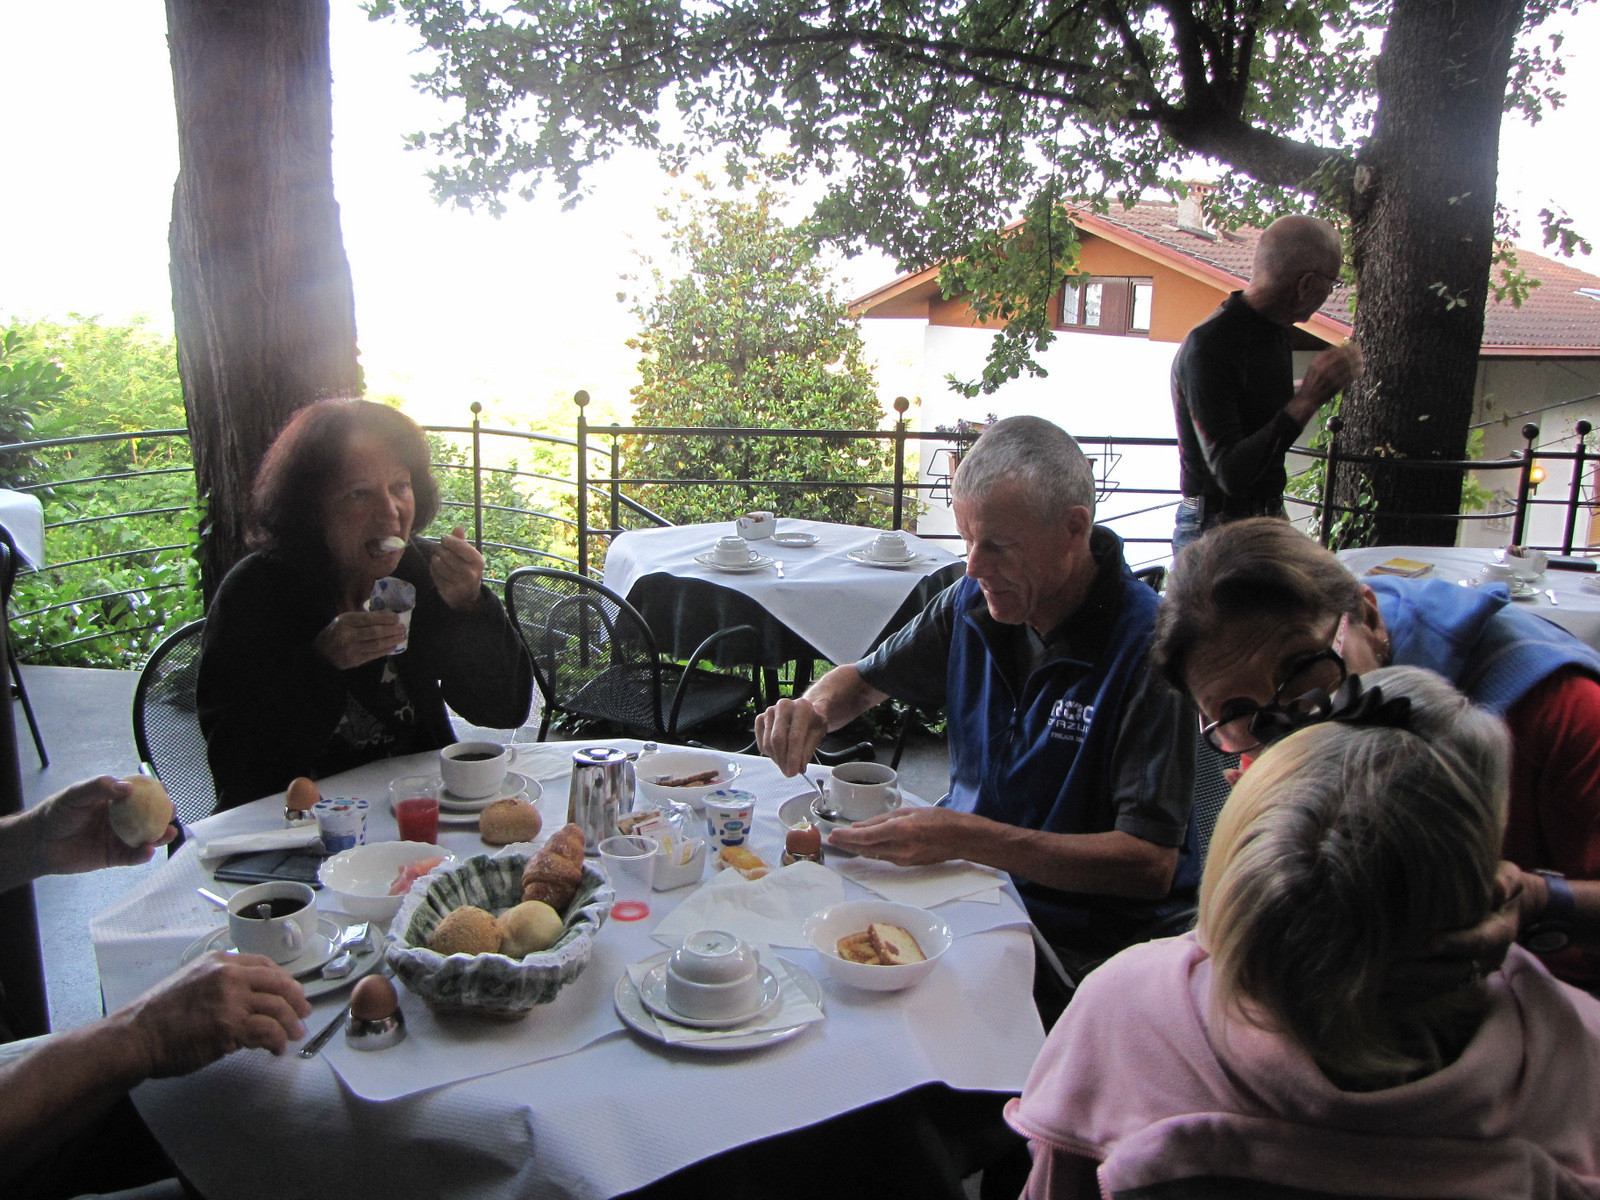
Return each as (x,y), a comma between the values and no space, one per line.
(1576,606)
(568,1101)
(829,603)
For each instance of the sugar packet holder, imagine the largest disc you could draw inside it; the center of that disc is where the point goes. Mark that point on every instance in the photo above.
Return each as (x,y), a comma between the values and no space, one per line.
(681,860)
(392,594)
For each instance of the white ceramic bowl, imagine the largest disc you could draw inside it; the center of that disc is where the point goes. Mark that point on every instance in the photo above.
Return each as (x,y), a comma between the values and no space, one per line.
(824,929)
(360,878)
(675,764)
(712,956)
(713,1001)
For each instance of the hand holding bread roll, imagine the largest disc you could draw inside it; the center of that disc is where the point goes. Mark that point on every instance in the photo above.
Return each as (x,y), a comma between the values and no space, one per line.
(72,831)
(141,816)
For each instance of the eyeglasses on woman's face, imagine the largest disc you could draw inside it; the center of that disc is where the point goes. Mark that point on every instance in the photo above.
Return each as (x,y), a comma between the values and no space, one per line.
(1306,682)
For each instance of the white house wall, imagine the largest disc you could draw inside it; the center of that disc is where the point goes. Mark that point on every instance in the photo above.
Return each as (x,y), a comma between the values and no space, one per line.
(1097,387)
(1553,394)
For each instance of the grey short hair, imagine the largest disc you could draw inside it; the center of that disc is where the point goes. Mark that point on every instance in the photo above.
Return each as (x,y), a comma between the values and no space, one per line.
(1291,246)
(1343,852)
(1040,455)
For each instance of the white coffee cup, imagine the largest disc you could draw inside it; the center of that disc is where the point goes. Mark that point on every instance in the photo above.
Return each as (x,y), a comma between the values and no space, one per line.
(277,919)
(1528,565)
(473,770)
(889,547)
(732,551)
(857,791)
(1495,573)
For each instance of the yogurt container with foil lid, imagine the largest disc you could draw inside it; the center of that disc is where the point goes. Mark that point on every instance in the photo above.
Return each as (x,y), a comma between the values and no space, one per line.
(342,822)
(393,594)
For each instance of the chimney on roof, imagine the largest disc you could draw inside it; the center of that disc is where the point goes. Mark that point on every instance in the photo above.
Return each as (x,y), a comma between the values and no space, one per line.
(1191,211)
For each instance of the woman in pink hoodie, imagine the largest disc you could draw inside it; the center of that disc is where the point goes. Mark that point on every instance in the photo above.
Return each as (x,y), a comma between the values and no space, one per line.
(1308,1034)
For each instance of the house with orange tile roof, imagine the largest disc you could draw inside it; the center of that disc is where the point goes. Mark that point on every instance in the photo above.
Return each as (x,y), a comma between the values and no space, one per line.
(1155,271)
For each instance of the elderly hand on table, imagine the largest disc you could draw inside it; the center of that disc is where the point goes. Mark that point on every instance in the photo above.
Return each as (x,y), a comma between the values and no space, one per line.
(911,837)
(211,1007)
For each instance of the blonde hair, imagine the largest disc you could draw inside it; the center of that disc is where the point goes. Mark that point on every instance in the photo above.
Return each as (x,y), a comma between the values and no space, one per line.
(1342,853)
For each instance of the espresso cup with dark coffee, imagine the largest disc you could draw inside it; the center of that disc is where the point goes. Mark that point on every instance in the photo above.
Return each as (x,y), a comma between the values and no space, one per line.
(474,770)
(277,919)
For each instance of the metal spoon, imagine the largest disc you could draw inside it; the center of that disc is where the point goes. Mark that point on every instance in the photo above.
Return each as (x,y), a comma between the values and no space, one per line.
(1551,592)
(777,564)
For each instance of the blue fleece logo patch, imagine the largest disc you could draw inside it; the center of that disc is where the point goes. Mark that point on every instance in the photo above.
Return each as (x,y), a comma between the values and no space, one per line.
(1069,720)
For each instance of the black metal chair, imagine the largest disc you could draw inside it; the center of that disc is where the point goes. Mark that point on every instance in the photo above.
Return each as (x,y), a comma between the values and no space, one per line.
(595,657)
(9,558)
(166,722)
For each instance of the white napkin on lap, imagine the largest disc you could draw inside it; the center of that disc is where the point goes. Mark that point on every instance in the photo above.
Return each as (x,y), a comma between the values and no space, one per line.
(769,911)
(793,1007)
(272,839)
(923,887)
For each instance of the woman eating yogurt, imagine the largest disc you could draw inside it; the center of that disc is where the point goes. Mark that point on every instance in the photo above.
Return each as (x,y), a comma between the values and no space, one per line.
(297,676)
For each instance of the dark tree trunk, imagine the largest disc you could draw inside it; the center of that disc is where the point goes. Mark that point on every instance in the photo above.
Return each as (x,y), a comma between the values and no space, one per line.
(262,298)
(1423,234)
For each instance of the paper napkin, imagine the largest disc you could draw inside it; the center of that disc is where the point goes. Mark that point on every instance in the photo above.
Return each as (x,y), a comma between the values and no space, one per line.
(923,887)
(769,911)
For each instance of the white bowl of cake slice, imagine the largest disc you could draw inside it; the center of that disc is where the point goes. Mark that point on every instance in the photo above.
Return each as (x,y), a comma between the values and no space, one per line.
(877,944)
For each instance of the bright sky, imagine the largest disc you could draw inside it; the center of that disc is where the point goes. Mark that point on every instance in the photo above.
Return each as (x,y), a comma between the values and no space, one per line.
(451,307)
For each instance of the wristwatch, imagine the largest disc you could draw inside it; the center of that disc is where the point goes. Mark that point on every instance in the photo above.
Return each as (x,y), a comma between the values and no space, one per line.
(1553,930)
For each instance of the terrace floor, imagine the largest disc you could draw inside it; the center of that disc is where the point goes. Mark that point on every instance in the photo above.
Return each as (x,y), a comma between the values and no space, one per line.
(86,719)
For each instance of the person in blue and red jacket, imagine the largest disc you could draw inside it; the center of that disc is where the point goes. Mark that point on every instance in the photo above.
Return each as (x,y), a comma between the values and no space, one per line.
(1071,764)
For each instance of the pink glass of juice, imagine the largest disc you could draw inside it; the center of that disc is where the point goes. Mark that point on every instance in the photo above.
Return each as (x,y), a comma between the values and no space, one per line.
(416,808)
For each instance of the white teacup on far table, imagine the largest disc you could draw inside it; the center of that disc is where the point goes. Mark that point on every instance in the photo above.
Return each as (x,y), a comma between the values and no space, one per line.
(857,791)
(889,547)
(731,551)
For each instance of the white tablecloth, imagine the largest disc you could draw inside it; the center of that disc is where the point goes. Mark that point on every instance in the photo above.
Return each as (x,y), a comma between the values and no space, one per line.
(612,1116)
(837,605)
(23,516)
(1576,607)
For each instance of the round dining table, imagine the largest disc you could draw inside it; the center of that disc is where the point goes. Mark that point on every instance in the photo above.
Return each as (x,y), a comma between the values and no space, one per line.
(568,1102)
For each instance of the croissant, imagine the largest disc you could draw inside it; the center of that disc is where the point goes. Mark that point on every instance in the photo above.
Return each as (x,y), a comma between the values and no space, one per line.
(551,876)
(568,843)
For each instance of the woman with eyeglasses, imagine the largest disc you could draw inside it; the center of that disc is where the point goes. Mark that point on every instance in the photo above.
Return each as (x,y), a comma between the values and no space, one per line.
(1290,1040)
(1258,619)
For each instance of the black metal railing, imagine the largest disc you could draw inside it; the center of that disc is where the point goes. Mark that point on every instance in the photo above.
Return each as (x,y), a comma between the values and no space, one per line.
(586,487)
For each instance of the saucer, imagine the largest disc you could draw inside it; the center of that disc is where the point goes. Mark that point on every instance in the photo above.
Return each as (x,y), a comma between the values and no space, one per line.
(756,563)
(319,952)
(514,785)
(328,929)
(795,541)
(653,994)
(867,560)
(638,1018)
(1522,591)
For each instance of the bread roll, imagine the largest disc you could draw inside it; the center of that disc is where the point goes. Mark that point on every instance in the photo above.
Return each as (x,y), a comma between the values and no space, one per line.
(528,928)
(142,816)
(509,820)
(467,930)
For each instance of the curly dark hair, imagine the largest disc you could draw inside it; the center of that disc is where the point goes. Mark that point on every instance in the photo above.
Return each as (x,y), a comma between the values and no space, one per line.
(286,510)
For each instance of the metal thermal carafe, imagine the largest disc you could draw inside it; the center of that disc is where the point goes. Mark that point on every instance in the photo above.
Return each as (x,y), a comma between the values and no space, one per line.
(602,791)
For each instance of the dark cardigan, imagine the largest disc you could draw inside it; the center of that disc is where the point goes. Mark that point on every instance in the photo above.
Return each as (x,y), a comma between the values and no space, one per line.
(269,703)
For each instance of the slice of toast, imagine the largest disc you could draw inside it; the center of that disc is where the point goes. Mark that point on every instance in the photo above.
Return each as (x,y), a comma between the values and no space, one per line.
(857,947)
(894,946)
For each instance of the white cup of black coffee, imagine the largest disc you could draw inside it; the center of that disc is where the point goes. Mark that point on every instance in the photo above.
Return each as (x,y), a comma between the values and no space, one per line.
(857,791)
(474,770)
(276,919)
